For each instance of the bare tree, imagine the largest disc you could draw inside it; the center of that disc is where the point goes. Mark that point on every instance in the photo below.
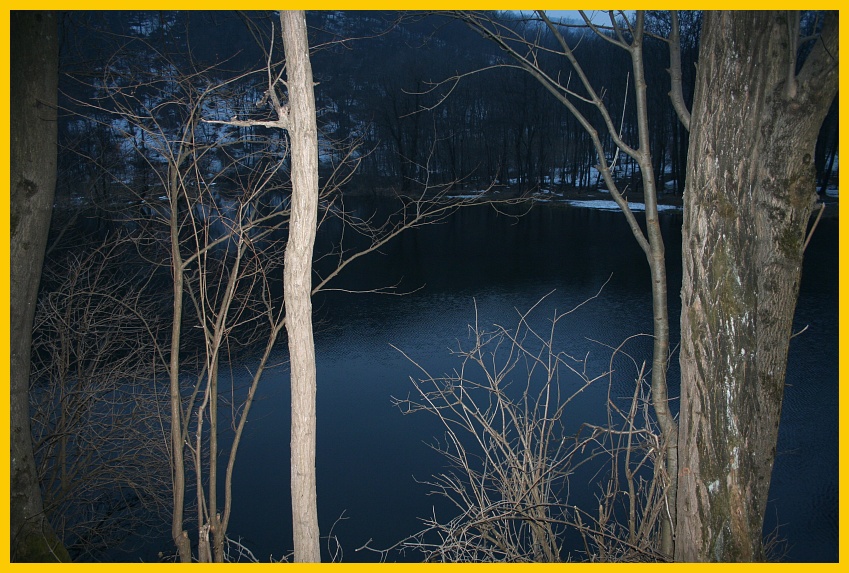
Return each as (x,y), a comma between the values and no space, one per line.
(221,252)
(219,232)
(295,113)
(526,53)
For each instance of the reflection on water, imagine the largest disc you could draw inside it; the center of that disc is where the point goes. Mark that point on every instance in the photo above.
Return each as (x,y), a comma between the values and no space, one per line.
(370,456)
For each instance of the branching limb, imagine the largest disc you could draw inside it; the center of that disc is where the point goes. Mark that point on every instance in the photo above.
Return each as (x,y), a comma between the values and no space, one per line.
(676,94)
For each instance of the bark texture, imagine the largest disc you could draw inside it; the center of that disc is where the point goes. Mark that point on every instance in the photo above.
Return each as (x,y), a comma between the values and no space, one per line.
(297,283)
(34,90)
(749,196)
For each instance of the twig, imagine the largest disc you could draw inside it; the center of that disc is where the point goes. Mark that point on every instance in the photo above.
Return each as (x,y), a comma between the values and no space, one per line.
(814,227)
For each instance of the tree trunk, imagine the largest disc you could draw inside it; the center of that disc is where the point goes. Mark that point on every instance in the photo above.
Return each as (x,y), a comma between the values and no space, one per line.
(178,435)
(656,257)
(34,91)
(750,192)
(297,283)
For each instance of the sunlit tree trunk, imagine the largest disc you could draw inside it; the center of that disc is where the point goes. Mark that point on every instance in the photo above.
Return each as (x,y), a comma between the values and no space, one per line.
(750,192)
(297,283)
(34,90)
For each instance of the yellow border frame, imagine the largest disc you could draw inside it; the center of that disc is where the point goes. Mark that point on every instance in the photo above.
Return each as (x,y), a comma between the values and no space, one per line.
(387,5)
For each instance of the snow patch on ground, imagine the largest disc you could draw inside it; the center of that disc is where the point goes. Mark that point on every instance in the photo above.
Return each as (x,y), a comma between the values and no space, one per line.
(612,206)
(472,195)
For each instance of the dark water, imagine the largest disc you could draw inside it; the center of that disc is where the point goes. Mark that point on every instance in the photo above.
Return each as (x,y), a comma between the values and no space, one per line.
(370,455)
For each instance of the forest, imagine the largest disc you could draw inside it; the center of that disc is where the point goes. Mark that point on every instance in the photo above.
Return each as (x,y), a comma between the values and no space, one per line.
(191,190)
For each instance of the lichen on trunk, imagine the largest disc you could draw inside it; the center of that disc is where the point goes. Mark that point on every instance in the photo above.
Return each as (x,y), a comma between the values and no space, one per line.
(750,193)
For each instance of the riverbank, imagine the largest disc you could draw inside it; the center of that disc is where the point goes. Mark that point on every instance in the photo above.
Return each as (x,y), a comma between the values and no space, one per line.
(601,199)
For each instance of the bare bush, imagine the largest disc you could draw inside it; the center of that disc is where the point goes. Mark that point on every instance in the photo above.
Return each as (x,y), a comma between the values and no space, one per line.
(513,446)
(98,408)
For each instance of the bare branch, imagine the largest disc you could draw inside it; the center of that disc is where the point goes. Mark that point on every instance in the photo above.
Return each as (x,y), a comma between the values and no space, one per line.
(793,29)
(675,94)
(511,459)
(278,124)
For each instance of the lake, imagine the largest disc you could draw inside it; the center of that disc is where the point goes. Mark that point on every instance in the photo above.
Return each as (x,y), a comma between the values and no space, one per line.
(370,456)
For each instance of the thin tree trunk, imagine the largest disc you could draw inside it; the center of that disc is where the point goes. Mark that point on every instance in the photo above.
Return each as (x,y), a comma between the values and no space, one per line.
(34,91)
(750,192)
(178,468)
(297,283)
(656,256)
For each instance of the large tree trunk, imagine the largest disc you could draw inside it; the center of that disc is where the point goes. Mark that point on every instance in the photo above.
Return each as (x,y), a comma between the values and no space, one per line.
(34,91)
(297,282)
(750,192)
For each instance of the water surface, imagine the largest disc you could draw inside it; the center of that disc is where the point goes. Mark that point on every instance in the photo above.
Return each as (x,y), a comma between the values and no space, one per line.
(481,263)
